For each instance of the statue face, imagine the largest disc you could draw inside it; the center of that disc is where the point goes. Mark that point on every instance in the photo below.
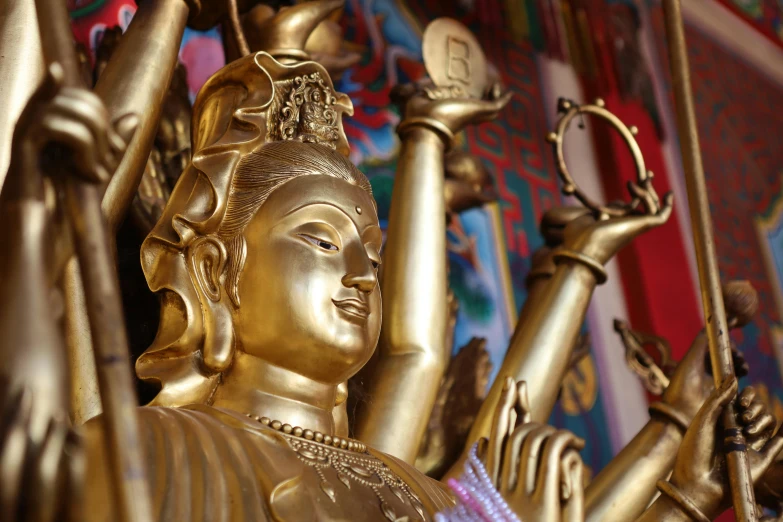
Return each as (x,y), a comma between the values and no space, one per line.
(309,293)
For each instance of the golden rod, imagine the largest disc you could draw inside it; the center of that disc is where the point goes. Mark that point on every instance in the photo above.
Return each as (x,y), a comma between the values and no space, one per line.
(709,276)
(101,288)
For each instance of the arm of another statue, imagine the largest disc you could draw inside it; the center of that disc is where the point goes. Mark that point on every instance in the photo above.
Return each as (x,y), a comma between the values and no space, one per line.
(624,488)
(698,488)
(412,356)
(540,349)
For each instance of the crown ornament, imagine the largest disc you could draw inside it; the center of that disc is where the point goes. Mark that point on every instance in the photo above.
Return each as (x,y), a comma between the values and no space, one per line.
(304,110)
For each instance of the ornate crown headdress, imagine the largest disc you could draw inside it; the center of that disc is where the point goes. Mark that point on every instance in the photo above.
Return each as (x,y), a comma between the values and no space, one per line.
(250,102)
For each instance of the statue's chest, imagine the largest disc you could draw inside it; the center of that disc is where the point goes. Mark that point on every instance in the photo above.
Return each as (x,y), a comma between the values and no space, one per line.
(349,485)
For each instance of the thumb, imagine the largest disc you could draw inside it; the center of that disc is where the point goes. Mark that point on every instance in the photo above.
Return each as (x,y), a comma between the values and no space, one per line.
(492,107)
(710,412)
(51,84)
(523,409)
(703,425)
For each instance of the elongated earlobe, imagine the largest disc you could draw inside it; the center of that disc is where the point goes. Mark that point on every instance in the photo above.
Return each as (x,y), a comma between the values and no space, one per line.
(207,260)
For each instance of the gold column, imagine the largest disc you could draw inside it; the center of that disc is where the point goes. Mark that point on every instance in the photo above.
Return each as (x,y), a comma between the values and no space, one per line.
(135,85)
(21,68)
(102,296)
(709,276)
(129,84)
(414,313)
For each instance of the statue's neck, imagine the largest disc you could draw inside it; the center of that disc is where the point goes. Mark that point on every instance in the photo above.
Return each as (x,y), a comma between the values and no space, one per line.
(253,386)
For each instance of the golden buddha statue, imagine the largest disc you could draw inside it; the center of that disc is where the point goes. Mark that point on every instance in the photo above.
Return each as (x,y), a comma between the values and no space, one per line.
(266,259)
(267,264)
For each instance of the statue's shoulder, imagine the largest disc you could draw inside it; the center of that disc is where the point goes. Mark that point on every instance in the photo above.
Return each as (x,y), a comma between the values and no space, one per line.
(195,457)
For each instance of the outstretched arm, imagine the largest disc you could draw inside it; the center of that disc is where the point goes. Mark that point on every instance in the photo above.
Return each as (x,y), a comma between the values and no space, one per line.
(626,485)
(541,346)
(135,81)
(699,488)
(412,352)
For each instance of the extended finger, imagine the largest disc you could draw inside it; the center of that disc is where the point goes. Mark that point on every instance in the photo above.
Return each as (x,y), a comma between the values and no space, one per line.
(501,428)
(765,422)
(513,468)
(522,406)
(760,431)
(747,396)
(50,85)
(573,475)
(707,418)
(529,459)
(484,110)
(548,480)
(754,410)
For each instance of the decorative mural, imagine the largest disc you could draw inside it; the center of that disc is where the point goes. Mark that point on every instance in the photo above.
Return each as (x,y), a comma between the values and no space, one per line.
(388,35)
(739,113)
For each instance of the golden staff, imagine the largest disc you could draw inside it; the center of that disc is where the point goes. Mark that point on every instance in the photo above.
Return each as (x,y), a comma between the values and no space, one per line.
(101,288)
(709,276)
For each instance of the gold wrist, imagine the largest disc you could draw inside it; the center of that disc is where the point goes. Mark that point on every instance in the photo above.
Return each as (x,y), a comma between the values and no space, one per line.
(671,414)
(428,123)
(597,268)
(685,504)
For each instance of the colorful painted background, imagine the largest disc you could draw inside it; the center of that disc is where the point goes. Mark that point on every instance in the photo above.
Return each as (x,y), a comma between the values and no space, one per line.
(739,111)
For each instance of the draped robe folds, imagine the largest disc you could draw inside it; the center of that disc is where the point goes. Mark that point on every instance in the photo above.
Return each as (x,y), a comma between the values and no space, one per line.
(212,465)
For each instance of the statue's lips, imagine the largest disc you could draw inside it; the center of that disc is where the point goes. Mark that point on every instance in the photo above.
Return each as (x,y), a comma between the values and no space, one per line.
(353,307)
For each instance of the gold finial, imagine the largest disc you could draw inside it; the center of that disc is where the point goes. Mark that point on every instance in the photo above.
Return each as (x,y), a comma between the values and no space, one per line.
(284,34)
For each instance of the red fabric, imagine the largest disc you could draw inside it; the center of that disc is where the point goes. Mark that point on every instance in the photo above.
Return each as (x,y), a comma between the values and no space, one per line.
(656,280)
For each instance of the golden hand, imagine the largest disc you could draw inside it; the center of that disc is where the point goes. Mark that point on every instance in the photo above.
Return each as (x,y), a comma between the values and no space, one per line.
(454,113)
(555,220)
(759,424)
(691,384)
(547,488)
(77,123)
(602,239)
(699,472)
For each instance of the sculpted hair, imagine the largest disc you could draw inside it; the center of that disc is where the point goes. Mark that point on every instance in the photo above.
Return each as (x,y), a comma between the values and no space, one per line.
(258,175)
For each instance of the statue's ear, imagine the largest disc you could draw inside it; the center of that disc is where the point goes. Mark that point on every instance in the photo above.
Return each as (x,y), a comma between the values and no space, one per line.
(207,260)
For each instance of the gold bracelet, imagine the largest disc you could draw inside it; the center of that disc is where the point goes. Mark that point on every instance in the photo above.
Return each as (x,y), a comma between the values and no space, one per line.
(683,502)
(597,268)
(671,414)
(429,123)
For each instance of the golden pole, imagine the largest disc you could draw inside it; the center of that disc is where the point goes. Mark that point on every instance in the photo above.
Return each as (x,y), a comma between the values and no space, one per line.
(709,276)
(102,296)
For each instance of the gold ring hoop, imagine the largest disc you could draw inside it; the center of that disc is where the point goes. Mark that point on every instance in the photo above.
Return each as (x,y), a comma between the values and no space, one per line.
(641,191)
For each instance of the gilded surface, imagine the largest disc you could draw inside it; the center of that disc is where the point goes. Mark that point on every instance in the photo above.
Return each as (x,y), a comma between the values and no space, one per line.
(267,261)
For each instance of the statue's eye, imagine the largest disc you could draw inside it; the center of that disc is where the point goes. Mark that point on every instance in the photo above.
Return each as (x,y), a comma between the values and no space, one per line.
(326,245)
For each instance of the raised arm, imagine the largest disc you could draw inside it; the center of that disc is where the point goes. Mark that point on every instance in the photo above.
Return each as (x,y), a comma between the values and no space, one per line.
(623,489)
(626,485)
(412,352)
(135,81)
(541,346)
(699,488)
